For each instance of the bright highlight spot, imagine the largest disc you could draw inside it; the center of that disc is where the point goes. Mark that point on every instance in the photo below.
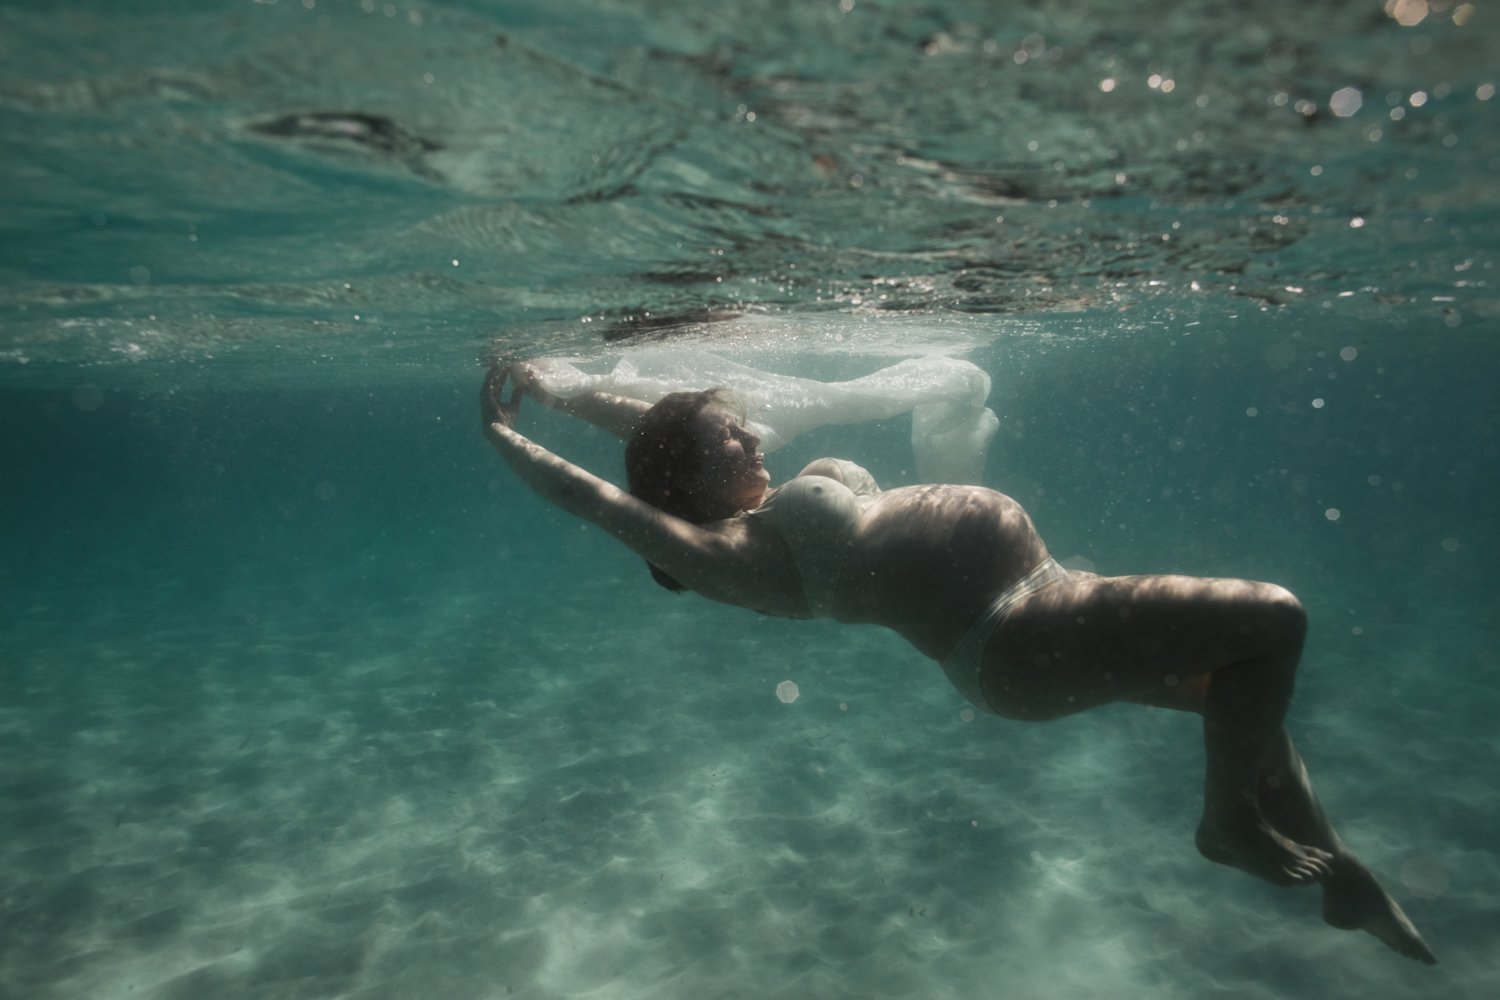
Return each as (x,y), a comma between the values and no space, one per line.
(1407,13)
(1346,102)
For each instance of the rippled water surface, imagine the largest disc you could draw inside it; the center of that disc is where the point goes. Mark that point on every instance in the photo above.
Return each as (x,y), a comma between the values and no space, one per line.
(374,183)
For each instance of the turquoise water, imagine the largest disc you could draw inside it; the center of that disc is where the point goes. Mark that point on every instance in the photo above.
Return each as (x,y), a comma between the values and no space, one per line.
(303,695)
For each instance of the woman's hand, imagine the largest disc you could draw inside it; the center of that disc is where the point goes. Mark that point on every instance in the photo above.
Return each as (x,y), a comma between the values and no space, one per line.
(493,408)
(525,377)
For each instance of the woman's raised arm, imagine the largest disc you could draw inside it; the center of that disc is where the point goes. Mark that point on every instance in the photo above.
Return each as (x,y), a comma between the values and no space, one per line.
(619,415)
(575,490)
(715,561)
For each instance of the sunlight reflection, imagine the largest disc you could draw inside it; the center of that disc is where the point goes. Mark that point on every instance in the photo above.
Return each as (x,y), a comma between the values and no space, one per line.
(1407,13)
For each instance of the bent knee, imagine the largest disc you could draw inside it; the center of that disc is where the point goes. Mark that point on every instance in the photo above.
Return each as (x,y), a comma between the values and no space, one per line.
(1284,611)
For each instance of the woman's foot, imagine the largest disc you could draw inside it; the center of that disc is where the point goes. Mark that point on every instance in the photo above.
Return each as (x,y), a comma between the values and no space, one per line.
(1247,842)
(1354,901)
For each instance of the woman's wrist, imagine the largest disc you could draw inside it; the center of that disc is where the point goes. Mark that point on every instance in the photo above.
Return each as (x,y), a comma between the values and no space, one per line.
(503,433)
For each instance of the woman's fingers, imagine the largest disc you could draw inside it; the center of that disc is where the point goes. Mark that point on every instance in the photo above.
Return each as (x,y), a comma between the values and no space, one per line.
(522,375)
(492,405)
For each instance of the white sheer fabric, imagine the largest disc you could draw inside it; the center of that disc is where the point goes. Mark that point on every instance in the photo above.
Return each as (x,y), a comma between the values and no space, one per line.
(951,426)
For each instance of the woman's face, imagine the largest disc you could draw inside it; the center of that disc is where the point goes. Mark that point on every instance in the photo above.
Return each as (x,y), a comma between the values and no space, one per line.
(732,469)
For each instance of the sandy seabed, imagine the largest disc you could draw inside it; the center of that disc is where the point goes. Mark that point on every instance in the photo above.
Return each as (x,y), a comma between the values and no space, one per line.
(558,788)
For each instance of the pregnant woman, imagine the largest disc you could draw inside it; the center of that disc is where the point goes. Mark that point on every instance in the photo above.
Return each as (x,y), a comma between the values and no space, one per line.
(961,573)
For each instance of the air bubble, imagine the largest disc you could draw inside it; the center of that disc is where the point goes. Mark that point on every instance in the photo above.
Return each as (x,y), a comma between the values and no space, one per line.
(1424,877)
(88,397)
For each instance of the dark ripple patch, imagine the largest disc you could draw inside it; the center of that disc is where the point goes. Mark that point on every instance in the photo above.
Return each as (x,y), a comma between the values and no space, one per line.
(352,131)
(646,323)
(373,132)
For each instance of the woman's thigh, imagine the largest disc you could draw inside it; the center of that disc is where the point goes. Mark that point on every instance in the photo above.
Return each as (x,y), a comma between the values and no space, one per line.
(1093,640)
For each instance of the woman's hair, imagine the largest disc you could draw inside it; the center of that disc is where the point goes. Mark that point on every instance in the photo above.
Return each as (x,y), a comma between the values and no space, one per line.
(664,456)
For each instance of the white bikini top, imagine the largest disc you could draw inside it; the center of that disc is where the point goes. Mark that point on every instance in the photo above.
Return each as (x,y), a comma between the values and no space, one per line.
(816,516)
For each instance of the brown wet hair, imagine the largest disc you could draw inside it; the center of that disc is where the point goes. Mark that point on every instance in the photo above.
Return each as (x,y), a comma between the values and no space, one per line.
(664,457)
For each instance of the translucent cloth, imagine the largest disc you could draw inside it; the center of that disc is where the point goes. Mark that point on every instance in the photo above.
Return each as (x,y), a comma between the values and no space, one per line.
(951,427)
